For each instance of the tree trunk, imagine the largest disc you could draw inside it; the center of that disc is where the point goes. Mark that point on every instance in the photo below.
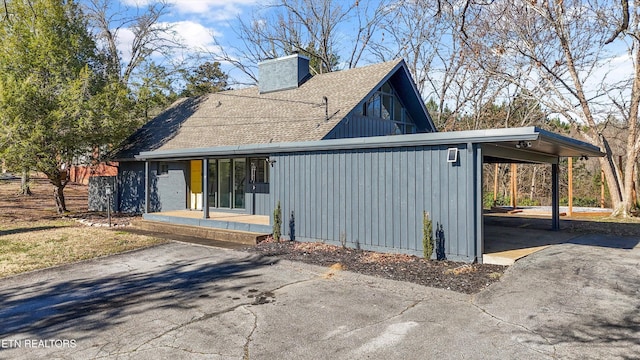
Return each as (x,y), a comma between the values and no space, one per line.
(635,185)
(59,180)
(58,193)
(613,177)
(25,188)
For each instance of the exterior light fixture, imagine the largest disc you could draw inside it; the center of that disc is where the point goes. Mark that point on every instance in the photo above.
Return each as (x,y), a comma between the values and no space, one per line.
(523,144)
(452,155)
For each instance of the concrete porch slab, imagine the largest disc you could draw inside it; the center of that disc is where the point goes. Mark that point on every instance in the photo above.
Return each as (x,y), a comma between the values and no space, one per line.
(221,216)
(505,245)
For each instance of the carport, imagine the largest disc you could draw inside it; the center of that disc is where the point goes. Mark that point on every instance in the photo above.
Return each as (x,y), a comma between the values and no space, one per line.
(536,147)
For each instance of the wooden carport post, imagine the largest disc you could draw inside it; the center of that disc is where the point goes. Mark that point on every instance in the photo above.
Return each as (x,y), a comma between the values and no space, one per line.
(495,185)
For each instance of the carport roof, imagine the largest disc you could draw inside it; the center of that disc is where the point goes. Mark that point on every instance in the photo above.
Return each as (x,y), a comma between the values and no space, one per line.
(525,144)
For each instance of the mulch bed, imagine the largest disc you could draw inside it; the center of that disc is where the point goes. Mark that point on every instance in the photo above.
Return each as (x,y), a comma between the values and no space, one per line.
(457,276)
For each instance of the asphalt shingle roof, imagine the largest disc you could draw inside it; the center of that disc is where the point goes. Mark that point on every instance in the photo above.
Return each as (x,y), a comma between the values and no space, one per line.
(241,117)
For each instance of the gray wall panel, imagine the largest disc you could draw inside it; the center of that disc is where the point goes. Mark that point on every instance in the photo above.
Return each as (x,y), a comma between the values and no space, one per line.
(263,203)
(362,126)
(172,187)
(361,177)
(375,198)
(131,187)
(98,198)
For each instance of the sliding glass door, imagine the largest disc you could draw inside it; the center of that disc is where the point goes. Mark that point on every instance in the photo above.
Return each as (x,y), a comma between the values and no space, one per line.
(226,183)
(239,176)
(213,183)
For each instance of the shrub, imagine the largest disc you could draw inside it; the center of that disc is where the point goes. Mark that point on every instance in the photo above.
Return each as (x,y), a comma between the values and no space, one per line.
(528,202)
(487,200)
(427,236)
(580,201)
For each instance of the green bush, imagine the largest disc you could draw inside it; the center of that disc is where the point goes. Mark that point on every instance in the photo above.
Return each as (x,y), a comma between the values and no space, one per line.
(427,236)
(487,200)
(580,201)
(528,202)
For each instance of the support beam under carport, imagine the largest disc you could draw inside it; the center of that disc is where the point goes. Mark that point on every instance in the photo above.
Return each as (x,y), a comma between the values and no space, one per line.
(479,235)
(555,197)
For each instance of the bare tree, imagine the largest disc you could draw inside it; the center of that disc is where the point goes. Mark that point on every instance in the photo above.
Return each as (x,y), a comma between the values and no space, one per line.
(150,35)
(333,34)
(426,33)
(556,51)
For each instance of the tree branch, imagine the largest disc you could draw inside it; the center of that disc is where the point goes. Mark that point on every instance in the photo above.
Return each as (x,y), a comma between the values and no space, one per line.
(625,22)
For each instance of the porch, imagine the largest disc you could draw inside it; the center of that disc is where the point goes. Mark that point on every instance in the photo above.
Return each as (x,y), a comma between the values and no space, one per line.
(259,224)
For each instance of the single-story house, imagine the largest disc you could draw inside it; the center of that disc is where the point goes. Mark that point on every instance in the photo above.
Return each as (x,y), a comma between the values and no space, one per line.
(352,157)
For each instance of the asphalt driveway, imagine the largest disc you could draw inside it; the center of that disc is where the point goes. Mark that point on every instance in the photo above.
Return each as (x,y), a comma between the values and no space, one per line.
(185,301)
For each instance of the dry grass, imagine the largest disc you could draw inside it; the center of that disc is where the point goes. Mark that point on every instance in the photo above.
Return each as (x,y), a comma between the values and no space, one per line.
(33,236)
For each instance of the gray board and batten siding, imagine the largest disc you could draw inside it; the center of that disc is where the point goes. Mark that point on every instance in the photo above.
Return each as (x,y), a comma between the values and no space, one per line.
(168,191)
(374,199)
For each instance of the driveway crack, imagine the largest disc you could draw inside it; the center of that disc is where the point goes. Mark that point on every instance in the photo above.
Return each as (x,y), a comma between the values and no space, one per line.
(250,336)
(553,355)
(214,314)
(407,308)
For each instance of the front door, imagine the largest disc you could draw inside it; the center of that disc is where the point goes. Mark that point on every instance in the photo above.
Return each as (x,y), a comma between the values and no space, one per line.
(195,201)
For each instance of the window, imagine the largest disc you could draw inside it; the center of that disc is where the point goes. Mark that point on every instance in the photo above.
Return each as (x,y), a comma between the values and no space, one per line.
(163,168)
(385,104)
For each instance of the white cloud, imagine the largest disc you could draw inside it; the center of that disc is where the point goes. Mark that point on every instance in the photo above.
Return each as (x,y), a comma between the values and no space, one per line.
(125,39)
(194,35)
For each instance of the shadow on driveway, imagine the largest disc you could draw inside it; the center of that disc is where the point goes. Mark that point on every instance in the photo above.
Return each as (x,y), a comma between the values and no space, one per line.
(47,308)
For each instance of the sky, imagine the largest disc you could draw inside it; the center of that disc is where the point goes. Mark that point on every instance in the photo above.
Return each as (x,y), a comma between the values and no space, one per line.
(198,22)
(195,22)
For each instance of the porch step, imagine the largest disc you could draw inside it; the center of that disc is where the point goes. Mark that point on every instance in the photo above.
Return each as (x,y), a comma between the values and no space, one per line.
(235,236)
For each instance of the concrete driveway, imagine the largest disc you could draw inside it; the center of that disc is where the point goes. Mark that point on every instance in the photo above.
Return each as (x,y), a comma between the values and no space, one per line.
(184,301)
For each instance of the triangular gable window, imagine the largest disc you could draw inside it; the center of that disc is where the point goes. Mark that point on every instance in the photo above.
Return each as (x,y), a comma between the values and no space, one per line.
(385,104)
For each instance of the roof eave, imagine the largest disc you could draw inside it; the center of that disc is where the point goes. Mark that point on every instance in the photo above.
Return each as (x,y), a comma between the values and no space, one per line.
(429,139)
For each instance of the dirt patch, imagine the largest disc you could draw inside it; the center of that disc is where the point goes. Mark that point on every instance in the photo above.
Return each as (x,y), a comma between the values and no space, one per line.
(34,236)
(41,205)
(456,276)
